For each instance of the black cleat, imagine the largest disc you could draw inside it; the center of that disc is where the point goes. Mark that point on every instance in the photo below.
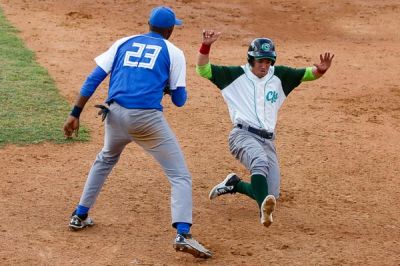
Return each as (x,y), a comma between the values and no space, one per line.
(226,186)
(78,223)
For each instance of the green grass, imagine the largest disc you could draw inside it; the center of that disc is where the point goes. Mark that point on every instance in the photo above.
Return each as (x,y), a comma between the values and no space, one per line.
(31,109)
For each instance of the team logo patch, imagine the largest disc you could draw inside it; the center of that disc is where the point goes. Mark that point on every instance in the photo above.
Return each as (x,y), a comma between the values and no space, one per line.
(271,96)
(266,47)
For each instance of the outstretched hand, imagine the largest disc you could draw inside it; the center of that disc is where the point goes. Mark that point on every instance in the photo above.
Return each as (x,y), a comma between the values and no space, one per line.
(210,36)
(325,64)
(71,125)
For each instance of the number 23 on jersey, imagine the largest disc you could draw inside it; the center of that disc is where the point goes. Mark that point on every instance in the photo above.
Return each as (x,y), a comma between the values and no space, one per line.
(147,53)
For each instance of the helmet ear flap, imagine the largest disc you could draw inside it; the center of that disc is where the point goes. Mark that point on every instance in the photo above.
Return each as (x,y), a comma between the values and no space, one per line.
(250,60)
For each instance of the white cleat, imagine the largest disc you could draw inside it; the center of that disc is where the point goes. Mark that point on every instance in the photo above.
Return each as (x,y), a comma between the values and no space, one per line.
(186,243)
(267,208)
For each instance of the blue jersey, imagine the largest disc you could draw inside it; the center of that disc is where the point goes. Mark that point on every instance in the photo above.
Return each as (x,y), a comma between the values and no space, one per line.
(141,66)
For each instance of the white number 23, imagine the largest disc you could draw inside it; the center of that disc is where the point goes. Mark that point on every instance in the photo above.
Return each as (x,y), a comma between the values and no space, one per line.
(152,52)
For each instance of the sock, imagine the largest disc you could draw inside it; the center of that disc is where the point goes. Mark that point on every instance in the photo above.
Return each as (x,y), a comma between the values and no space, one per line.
(183,228)
(82,211)
(260,188)
(245,188)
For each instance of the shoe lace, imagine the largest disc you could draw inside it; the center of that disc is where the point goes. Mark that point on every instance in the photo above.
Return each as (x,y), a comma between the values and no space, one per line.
(224,190)
(76,220)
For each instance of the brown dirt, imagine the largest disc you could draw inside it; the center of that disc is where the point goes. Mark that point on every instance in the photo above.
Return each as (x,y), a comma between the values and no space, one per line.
(338,141)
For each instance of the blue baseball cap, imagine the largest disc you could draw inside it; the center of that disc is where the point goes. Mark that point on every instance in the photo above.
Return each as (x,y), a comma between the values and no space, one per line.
(163,17)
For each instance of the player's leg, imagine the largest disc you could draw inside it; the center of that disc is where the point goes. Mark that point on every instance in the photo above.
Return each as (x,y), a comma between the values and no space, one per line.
(274,176)
(233,183)
(152,133)
(273,180)
(249,150)
(265,177)
(115,140)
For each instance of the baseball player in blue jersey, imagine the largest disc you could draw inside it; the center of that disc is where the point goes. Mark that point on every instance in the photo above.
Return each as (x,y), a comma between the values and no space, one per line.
(254,94)
(140,68)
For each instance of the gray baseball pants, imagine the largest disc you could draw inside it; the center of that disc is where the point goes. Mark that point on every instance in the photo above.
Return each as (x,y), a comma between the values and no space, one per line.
(258,155)
(149,129)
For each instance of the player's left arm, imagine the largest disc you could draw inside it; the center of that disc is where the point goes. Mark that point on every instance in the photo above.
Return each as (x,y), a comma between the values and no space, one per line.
(177,80)
(179,96)
(318,70)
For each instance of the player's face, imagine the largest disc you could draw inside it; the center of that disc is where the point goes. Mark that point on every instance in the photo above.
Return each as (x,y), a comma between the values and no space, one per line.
(261,67)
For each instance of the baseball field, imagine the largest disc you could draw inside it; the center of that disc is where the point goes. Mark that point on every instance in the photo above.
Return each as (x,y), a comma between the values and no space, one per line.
(338,140)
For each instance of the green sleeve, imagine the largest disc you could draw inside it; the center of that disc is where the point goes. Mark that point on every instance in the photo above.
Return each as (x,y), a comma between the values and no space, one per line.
(221,76)
(204,71)
(308,75)
(290,77)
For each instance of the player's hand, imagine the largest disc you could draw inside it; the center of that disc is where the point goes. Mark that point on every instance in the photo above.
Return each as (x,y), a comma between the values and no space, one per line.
(71,125)
(210,36)
(325,64)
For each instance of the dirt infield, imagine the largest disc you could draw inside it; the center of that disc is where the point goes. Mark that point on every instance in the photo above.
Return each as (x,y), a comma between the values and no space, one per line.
(338,141)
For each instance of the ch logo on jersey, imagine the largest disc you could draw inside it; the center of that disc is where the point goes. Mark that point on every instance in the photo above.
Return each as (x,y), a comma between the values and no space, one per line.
(138,59)
(271,96)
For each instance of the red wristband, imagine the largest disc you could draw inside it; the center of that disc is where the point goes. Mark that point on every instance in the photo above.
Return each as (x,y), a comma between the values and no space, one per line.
(205,49)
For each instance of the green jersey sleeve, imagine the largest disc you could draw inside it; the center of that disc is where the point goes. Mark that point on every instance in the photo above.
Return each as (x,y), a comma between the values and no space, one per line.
(290,77)
(308,75)
(204,71)
(221,76)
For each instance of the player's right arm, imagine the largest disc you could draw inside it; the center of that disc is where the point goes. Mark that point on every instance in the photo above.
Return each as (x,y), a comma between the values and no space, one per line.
(104,64)
(71,125)
(221,76)
(203,67)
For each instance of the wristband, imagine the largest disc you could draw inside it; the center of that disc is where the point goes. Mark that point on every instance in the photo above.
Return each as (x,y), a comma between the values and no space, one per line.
(76,111)
(205,49)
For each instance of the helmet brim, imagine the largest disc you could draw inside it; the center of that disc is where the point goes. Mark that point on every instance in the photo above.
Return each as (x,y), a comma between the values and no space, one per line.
(262,55)
(265,57)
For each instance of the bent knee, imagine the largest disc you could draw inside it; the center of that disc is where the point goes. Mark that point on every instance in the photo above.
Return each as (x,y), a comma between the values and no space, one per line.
(108,158)
(259,166)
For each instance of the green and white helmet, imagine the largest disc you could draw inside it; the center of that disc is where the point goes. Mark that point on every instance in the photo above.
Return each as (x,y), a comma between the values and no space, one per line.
(261,48)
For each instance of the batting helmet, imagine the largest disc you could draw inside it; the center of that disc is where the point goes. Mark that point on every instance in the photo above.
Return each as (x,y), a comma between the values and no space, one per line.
(261,48)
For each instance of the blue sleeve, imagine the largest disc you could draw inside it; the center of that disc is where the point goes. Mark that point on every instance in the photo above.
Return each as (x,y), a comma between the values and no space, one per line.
(179,96)
(93,81)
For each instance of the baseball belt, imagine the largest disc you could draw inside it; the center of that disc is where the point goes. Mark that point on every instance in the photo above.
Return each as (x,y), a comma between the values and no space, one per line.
(259,132)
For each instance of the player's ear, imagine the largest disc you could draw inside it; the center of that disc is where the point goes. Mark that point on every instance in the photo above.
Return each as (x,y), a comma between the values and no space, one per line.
(169,32)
